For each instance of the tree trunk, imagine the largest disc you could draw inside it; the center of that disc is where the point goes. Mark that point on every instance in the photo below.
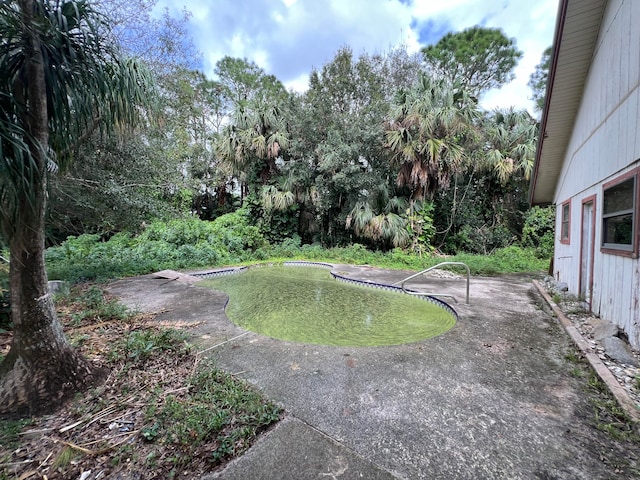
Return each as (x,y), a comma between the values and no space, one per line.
(41,368)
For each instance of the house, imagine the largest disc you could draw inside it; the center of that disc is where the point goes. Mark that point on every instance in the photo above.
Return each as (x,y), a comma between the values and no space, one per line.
(588,158)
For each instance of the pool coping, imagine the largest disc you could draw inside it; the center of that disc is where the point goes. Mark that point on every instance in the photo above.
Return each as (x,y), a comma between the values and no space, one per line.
(214,273)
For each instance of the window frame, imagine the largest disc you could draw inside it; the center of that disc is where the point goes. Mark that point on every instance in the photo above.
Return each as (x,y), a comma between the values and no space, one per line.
(565,239)
(622,249)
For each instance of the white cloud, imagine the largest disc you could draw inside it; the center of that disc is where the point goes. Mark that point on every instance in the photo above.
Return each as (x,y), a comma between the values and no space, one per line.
(290,37)
(299,85)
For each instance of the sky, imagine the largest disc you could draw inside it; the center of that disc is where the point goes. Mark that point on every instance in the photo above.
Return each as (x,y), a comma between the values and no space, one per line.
(289,38)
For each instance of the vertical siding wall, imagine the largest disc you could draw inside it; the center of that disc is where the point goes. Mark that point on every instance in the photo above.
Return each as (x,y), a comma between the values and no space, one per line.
(605,144)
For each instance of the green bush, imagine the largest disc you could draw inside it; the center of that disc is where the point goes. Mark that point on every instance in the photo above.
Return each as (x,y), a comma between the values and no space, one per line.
(483,239)
(177,244)
(538,230)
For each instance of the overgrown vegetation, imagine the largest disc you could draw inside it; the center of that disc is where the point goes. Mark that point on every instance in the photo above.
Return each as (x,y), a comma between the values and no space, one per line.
(176,244)
(229,240)
(386,159)
(538,231)
(161,411)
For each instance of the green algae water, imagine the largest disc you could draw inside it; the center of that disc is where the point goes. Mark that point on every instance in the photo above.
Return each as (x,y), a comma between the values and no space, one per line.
(305,304)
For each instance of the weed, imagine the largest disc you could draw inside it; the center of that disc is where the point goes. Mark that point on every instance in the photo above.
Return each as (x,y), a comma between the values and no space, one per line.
(65,457)
(577,372)
(218,413)
(90,305)
(574,356)
(557,298)
(151,460)
(79,340)
(150,433)
(10,430)
(123,454)
(596,384)
(140,345)
(92,298)
(609,416)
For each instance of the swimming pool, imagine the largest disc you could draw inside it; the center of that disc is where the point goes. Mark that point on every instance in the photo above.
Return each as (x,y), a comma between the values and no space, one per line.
(308,305)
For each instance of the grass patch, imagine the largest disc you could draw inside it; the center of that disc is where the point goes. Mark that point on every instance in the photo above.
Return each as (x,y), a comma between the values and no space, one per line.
(141,345)
(503,261)
(87,305)
(606,413)
(162,411)
(9,432)
(216,417)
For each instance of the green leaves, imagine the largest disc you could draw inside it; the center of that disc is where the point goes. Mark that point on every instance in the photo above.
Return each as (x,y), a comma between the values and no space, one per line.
(274,199)
(538,79)
(87,87)
(478,59)
(511,137)
(176,244)
(425,136)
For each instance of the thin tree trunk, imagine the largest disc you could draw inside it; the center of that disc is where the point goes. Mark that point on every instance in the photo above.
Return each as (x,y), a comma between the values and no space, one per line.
(41,368)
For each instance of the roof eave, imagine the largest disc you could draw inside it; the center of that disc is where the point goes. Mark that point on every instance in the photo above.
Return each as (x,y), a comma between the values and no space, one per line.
(570,64)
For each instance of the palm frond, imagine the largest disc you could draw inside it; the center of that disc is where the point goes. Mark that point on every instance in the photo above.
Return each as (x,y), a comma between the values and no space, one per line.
(359,217)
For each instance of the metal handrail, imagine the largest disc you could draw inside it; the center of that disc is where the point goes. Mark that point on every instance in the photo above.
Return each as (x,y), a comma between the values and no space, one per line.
(436,294)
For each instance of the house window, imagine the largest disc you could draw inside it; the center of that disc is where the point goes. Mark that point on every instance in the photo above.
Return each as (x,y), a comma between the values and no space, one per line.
(565,222)
(619,215)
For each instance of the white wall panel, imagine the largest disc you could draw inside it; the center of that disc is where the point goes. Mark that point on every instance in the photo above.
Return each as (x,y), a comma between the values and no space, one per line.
(605,143)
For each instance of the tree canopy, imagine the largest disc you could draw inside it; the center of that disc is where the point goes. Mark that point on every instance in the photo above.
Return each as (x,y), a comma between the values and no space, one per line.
(478,58)
(538,79)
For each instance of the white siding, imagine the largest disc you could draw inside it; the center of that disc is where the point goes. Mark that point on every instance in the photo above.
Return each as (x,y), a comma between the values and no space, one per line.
(605,144)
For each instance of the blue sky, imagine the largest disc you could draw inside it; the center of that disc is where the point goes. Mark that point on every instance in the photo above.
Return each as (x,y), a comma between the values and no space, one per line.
(288,38)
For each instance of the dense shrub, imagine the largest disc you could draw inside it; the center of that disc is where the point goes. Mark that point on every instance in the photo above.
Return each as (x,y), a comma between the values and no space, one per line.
(177,244)
(192,244)
(538,230)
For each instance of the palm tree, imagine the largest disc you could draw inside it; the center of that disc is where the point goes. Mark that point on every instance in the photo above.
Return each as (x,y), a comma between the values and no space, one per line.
(511,138)
(60,83)
(253,140)
(296,191)
(381,218)
(427,133)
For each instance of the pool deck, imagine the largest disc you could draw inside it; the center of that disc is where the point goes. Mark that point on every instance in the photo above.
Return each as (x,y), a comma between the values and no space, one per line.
(492,398)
